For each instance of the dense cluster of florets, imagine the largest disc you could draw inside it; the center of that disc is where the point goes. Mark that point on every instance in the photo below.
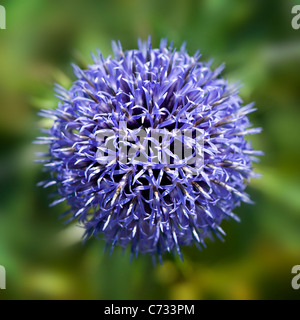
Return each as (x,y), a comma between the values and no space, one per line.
(160,204)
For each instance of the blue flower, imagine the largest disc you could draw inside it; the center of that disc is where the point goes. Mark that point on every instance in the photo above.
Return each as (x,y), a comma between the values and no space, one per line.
(115,149)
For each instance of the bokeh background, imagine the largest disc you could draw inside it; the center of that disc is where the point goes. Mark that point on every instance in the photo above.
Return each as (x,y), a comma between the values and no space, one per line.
(45,259)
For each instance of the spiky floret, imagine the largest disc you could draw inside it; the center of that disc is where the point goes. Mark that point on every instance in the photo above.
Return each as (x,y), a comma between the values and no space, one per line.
(152,207)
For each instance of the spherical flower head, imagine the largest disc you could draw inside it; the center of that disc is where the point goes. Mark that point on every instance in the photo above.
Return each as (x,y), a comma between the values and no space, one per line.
(148,149)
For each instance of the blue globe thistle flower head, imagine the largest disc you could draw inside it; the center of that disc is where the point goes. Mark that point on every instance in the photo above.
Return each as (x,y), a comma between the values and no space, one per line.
(148,149)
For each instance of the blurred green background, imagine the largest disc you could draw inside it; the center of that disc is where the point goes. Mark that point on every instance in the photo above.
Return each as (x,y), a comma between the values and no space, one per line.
(45,259)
